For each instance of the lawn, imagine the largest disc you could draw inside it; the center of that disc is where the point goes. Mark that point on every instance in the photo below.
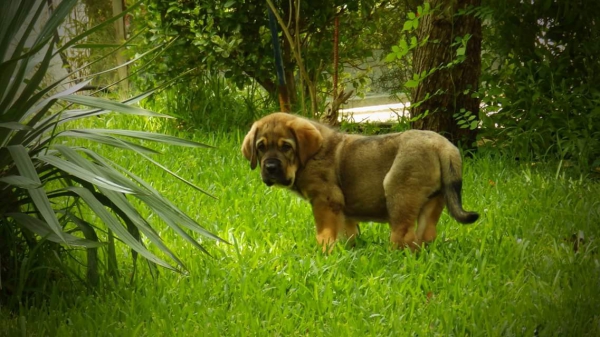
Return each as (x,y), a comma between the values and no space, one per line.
(516,271)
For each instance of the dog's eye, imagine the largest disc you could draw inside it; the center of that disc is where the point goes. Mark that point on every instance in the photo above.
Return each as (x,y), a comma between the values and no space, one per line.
(261,147)
(285,147)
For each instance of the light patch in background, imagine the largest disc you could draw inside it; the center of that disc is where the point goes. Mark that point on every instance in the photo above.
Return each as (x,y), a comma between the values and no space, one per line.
(376,113)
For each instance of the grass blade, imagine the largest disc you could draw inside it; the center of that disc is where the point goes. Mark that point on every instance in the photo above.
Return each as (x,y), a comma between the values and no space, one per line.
(183,233)
(162,206)
(43,103)
(119,202)
(59,14)
(24,101)
(100,169)
(9,28)
(112,264)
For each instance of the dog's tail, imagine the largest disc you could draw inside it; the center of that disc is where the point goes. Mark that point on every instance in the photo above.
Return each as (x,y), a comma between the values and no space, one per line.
(451,165)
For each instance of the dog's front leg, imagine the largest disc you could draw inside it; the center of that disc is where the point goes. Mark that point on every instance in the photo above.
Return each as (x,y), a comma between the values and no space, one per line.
(329,220)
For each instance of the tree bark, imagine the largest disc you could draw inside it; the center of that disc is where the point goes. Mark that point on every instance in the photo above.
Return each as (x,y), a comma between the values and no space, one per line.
(450,89)
(332,114)
(117,6)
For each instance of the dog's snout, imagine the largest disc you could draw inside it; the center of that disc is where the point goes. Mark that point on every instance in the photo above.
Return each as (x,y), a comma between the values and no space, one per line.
(272,165)
(273,173)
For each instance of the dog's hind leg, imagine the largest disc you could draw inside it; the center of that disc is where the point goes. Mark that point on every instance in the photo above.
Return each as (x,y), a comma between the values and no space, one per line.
(408,186)
(403,216)
(428,218)
(404,205)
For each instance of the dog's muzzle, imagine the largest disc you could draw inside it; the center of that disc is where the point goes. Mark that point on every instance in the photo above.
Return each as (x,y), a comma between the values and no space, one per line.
(273,173)
(273,166)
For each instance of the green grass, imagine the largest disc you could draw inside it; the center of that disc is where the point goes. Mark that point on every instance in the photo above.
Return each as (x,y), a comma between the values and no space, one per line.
(510,273)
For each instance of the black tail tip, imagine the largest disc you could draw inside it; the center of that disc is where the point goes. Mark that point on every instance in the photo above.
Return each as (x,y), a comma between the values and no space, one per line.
(470,217)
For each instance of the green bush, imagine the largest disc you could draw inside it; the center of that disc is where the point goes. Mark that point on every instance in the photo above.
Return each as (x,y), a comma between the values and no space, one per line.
(63,201)
(540,80)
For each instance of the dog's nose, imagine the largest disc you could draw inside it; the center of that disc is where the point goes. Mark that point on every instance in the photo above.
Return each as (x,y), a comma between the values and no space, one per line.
(272,166)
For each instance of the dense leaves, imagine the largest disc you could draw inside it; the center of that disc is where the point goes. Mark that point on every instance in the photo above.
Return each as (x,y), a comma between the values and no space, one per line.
(232,37)
(541,78)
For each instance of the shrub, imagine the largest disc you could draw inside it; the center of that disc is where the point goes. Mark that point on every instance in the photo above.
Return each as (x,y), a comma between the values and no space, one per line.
(56,195)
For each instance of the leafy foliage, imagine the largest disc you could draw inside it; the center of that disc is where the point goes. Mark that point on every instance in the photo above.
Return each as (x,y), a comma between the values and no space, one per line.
(540,79)
(232,37)
(402,51)
(55,195)
(538,86)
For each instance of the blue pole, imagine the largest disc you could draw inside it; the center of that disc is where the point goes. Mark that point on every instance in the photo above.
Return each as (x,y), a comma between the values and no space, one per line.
(276,48)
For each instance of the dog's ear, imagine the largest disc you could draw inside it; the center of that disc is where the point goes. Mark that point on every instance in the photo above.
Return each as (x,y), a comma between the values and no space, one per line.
(249,146)
(309,139)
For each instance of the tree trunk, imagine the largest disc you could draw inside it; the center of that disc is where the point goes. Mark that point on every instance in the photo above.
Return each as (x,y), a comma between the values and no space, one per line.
(332,114)
(450,89)
(117,6)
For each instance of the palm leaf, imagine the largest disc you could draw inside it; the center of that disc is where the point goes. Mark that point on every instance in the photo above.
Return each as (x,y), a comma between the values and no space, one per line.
(155,137)
(114,224)
(21,181)
(101,103)
(92,253)
(102,139)
(71,115)
(38,195)
(82,173)
(15,126)
(40,228)
(54,190)
(156,201)
(16,13)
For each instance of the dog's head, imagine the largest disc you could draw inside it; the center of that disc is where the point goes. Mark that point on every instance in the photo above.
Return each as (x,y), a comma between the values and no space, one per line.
(281,143)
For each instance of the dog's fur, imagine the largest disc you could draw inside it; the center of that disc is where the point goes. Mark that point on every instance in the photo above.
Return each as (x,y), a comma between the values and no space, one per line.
(399,178)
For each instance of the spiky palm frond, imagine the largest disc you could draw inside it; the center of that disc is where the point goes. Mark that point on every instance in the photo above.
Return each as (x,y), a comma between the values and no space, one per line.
(42,181)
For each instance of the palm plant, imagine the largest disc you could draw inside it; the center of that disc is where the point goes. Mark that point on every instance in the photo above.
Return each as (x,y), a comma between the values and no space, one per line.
(51,192)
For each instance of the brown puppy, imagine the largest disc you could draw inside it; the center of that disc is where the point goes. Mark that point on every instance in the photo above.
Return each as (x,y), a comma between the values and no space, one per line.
(399,178)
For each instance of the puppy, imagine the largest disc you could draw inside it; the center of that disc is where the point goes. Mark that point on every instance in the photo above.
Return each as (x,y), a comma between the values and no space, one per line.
(401,178)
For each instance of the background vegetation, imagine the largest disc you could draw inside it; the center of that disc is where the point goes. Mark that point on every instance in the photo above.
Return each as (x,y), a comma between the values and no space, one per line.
(529,266)
(540,80)
(538,91)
